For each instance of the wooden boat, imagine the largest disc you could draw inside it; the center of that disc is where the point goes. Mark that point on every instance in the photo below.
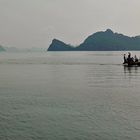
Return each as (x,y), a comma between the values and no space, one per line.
(132,63)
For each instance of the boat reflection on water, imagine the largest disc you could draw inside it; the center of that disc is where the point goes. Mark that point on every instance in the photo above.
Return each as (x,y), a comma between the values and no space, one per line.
(131,69)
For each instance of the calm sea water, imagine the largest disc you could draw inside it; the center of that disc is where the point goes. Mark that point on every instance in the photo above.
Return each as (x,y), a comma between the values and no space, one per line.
(68,96)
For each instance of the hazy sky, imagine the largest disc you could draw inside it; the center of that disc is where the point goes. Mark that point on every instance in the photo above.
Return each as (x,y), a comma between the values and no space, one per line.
(34,23)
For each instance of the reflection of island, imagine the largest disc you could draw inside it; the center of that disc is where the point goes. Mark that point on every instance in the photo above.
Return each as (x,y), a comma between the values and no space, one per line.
(100,41)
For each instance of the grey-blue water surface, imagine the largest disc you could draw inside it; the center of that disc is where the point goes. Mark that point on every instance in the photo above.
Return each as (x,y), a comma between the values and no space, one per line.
(68,96)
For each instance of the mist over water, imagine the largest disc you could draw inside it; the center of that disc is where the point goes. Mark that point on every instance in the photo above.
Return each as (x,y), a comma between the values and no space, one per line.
(69,96)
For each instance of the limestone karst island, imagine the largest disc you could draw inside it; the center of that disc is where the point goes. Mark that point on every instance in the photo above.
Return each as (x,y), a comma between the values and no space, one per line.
(100,41)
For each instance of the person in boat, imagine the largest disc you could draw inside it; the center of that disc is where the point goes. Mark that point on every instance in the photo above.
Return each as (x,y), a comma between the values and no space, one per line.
(130,60)
(124,57)
(136,59)
(129,55)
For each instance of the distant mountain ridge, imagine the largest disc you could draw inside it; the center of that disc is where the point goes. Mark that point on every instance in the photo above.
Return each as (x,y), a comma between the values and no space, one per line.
(33,49)
(2,48)
(100,41)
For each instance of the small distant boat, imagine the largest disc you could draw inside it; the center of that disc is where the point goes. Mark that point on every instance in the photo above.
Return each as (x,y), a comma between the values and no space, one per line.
(130,61)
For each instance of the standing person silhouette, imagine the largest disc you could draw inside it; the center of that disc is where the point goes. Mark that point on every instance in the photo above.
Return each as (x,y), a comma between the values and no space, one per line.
(129,59)
(124,57)
(136,59)
(129,55)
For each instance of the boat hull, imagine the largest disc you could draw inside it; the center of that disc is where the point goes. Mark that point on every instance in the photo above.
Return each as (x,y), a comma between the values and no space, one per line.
(132,64)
